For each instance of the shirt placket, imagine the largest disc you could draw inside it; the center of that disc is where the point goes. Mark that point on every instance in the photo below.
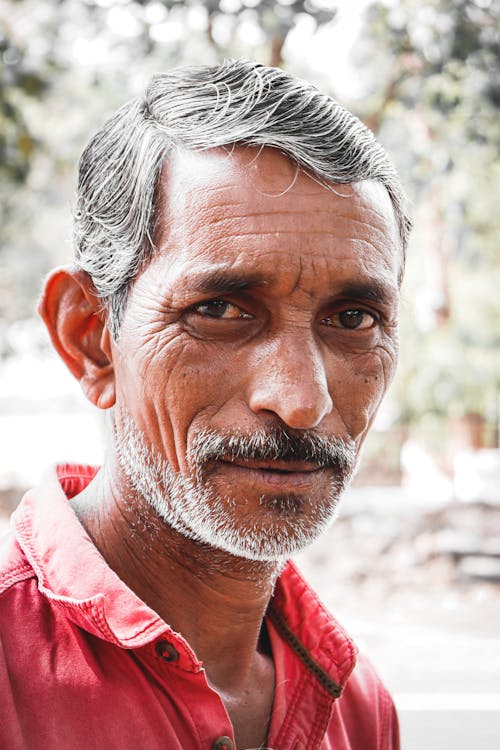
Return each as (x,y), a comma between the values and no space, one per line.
(185,683)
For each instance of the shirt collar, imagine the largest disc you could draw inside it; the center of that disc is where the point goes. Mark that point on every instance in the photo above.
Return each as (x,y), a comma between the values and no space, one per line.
(314,635)
(75,577)
(71,571)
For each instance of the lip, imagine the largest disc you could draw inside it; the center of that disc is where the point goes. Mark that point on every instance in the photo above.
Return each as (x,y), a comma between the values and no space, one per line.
(275,474)
(290,467)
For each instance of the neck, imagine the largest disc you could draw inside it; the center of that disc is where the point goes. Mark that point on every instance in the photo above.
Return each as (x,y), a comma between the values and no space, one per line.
(216,600)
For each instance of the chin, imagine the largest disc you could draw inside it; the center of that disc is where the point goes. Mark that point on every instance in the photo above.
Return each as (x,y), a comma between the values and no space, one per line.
(281,526)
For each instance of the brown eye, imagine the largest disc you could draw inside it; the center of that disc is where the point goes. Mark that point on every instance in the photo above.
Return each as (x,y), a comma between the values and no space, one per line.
(220,309)
(350,319)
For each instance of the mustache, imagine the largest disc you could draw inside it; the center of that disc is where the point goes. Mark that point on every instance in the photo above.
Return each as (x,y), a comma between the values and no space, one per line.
(274,444)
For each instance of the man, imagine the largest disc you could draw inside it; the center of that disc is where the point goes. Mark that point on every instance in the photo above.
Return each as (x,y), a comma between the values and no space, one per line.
(240,240)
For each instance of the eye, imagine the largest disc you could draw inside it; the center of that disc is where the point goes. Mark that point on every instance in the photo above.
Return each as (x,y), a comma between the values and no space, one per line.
(220,309)
(353,320)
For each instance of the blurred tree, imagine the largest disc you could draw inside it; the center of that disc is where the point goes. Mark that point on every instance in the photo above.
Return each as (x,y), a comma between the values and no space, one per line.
(272,20)
(68,63)
(21,83)
(16,83)
(236,26)
(434,98)
(430,87)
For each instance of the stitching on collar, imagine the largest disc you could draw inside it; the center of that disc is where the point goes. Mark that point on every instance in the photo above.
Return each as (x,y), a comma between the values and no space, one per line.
(323,678)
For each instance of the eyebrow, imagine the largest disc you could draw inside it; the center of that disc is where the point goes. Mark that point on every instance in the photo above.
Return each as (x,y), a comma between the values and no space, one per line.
(227,281)
(373,290)
(222,281)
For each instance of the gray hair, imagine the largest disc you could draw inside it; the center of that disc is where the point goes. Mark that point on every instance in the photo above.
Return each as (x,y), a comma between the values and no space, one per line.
(197,108)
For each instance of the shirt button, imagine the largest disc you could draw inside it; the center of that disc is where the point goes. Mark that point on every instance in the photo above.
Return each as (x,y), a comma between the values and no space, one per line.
(166,651)
(223,743)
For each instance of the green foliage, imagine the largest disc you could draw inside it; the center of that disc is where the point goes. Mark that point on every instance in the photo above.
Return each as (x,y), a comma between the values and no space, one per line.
(17,83)
(122,34)
(435,102)
(430,79)
(67,64)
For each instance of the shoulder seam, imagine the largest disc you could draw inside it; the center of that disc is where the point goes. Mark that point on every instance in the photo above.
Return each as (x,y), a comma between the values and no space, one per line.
(16,575)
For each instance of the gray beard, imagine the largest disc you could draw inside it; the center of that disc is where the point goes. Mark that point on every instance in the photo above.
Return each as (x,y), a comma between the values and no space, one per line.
(282,525)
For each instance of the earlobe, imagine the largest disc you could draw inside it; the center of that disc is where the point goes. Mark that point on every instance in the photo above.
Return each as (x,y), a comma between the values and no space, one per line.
(76,323)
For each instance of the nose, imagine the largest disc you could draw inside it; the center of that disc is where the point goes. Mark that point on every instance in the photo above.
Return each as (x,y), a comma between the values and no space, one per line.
(290,381)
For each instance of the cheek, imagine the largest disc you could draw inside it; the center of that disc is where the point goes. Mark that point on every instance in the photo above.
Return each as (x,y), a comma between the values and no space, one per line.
(359,395)
(168,388)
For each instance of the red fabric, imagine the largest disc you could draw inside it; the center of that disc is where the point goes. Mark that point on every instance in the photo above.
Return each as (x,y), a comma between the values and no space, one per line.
(85,664)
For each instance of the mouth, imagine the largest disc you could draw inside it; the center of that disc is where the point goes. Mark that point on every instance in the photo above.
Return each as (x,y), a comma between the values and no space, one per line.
(275,474)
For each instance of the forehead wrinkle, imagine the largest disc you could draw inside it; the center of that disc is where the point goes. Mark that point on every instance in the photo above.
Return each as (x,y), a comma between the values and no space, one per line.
(203,218)
(219,216)
(228,277)
(332,222)
(356,197)
(333,231)
(196,233)
(197,246)
(197,194)
(237,211)
(219,241)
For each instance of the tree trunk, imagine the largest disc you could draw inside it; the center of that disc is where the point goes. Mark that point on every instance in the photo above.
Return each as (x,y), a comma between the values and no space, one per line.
(276,59)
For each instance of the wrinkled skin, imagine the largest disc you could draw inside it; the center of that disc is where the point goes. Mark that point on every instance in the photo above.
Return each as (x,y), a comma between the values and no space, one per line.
(276,349)
(270,301)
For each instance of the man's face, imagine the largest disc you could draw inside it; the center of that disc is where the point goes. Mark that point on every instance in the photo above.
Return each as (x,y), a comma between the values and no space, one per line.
(255,348)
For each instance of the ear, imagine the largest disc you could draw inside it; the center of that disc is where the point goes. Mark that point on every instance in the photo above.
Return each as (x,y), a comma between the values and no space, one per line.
(76,323)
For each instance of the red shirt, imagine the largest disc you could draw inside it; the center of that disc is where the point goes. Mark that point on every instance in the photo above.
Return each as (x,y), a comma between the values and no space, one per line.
(85,664)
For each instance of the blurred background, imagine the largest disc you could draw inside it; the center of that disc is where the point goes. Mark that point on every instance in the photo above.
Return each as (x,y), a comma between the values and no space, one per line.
(412,566)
